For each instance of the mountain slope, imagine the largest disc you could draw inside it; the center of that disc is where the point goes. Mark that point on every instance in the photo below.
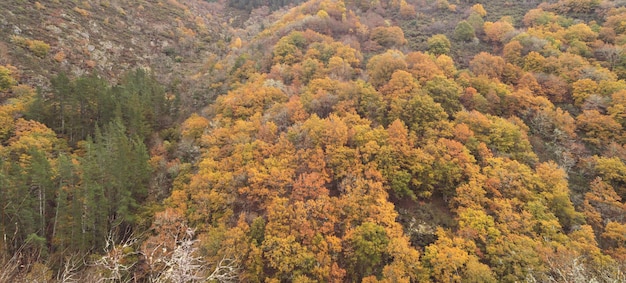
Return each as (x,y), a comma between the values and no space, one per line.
(109,38)
(331,141)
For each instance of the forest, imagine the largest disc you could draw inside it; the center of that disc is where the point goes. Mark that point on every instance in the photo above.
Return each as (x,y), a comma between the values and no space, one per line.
(313,141)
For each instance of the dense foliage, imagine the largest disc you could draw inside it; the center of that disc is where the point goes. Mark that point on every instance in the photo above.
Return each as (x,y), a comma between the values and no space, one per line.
(344,147)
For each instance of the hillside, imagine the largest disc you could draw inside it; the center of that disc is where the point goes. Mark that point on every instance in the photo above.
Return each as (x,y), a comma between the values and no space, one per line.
(316,141)
(176,40)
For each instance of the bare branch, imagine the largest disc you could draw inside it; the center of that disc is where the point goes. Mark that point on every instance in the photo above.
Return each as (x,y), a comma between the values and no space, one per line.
(183,265)
(70,269)
(174,258)
(115,263)
(9,268)
(226,271)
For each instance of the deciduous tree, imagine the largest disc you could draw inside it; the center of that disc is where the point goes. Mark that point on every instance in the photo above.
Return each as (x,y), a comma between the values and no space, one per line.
(439,44)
